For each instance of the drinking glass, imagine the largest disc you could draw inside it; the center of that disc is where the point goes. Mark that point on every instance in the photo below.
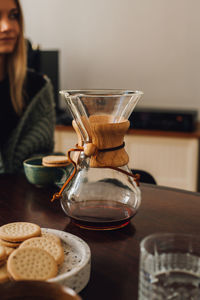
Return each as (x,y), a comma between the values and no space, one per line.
(169,267)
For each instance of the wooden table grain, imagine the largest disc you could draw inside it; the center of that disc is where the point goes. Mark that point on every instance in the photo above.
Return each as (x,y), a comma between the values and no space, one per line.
(114,254)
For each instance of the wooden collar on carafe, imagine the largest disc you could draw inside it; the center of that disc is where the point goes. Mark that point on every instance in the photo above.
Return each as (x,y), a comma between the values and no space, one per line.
(106,146)
(106,149)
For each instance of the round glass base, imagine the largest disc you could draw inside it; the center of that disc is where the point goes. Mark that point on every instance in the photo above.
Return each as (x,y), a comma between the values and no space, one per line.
(100,215)
(102,227)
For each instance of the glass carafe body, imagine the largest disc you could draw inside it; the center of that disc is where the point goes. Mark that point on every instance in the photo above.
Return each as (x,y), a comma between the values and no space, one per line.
(102,194)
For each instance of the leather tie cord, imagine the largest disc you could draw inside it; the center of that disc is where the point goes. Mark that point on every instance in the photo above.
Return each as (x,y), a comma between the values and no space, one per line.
(58,195)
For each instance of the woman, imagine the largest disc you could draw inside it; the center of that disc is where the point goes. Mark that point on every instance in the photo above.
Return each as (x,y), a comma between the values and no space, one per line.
(27,114)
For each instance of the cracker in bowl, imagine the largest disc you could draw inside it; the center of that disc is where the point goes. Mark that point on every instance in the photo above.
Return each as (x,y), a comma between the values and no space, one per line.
(52,237)
(31,264)
(3,273)
(17,232)
(50,246)
(3,255)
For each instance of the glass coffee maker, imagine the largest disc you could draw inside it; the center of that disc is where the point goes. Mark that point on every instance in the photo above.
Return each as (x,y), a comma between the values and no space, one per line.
(102,193)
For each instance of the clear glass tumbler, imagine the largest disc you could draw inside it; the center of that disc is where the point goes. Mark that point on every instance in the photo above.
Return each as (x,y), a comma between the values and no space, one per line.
(170,267)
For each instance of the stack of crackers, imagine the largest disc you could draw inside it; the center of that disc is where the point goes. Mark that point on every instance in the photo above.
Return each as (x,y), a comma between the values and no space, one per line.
(28,254)
(55,161)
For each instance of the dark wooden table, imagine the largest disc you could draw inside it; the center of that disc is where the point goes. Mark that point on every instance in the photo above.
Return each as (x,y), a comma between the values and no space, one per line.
(115,254)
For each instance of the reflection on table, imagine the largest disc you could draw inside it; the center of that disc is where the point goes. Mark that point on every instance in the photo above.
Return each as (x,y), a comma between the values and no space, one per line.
(115,254)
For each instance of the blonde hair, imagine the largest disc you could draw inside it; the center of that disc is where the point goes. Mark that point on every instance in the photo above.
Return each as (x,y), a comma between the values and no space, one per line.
(17,65)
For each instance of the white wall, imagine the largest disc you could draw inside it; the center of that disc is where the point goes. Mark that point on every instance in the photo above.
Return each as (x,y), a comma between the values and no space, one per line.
(148,45)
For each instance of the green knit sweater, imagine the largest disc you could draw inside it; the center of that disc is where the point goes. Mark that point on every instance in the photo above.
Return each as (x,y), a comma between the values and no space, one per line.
(34,133)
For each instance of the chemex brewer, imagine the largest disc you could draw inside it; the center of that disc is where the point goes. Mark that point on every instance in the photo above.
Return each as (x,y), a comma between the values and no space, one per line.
(101,193)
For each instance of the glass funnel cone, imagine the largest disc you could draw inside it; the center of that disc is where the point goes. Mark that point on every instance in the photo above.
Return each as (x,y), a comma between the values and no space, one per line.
(103,193)
(111,106)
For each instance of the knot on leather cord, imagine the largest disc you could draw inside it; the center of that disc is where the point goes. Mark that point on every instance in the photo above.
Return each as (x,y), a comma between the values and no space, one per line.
(56,196)
(89,150)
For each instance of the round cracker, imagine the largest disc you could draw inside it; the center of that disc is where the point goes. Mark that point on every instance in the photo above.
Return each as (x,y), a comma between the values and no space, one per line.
(3,273)
(31,264)
(50,246)
(2,262)
(9,250)
(60,159)
(9,244)
(19,231)
(55,165)
(2,252)
(55,160)
(52,237)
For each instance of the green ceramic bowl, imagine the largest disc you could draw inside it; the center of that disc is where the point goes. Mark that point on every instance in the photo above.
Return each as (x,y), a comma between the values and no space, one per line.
(40,175)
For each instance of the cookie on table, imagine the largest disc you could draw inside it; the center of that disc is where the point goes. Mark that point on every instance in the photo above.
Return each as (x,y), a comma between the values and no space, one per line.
(12,234)
(31,264)
(50,246)
(55,161)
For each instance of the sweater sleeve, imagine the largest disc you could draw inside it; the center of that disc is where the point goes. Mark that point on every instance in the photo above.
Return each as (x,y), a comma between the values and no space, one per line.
(34,133)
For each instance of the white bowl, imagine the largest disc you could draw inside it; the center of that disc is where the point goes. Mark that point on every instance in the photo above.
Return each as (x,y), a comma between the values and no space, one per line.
(75,270)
